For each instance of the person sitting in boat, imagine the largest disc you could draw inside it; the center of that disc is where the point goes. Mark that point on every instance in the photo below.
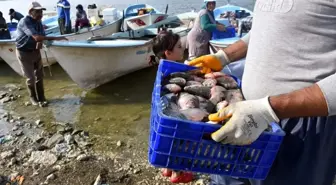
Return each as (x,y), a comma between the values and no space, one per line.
(167,45)
(200,35)
(81,18)
(15,15)
(4,32)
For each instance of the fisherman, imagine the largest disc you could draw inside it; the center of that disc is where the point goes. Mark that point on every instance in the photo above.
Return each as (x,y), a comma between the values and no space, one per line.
(30,35)
(81,18)
(200,35)
(289,78)
(64,22)
(15,15)
(4,32)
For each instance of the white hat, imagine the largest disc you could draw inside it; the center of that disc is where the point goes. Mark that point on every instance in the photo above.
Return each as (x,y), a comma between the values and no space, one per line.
(35,6)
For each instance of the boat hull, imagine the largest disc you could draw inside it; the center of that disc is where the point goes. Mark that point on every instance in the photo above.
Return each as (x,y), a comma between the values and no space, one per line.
(7,48)
(90,67)
(8,54)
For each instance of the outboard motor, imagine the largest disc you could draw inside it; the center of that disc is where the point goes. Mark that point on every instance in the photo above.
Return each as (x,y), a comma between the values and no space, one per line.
(245,25)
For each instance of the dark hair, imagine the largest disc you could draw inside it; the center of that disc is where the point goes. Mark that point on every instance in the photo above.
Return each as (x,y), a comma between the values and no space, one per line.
(79,7)
(1,14)
(11,10)
(165,40)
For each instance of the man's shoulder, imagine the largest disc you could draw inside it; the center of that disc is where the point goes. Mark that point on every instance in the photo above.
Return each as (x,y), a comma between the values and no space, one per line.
(25,21)
(66,3)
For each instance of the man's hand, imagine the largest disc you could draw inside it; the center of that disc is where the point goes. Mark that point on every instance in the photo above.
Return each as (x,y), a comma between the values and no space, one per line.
(212,62)
(61,38)
(247,120)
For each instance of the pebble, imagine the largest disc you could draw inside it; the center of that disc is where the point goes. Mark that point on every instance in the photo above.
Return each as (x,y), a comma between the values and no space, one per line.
(97,119)
(51,177)
(15,128)
(19,133)
(136,171)
(7,154)
(119,143)
(200,182)
(27,103)
(38,122)
(83,157)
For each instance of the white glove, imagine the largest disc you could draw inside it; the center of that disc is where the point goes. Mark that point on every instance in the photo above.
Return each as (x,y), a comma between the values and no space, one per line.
(222,56)
(247,120)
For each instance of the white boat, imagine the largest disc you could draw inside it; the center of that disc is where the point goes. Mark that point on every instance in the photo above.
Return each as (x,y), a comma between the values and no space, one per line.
(134,21)
(7,47)
(220,11)
(177,23)
(93,63)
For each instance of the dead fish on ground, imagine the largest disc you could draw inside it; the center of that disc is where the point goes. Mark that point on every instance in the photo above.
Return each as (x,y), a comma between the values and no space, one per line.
(198,90)
(194,114)
(186,101)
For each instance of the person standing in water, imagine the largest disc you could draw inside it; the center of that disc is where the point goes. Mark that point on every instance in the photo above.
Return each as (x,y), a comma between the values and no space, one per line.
(200,35)
(30,35)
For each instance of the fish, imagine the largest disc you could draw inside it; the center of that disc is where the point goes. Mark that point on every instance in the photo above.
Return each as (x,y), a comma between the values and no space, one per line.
(197,78)
(205,104)
(217,88)
(178,81)
(233,96)
(227,82)
(180,74)
(210,82)
(215,75)
(221,105)
(198,90)
(217,94)
(170,108)
(191,82)
(217,97)
(194,114)
(186,101)
(171,88)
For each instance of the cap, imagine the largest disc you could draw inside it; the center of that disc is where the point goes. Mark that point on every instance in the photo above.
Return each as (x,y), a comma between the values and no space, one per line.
(11,11)
(35,6)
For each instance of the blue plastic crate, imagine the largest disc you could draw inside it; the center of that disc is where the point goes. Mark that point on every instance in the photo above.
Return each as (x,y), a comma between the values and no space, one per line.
(229,33)
(185,145)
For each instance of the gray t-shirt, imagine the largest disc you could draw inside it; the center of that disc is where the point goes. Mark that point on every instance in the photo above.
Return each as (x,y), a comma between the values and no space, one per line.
(292,45)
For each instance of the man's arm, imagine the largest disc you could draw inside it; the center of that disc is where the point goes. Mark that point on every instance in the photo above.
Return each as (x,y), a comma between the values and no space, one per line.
(237,50)
(308,101)
(29,30)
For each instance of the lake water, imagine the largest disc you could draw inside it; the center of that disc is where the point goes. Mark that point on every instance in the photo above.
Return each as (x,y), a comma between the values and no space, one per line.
(175,6)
